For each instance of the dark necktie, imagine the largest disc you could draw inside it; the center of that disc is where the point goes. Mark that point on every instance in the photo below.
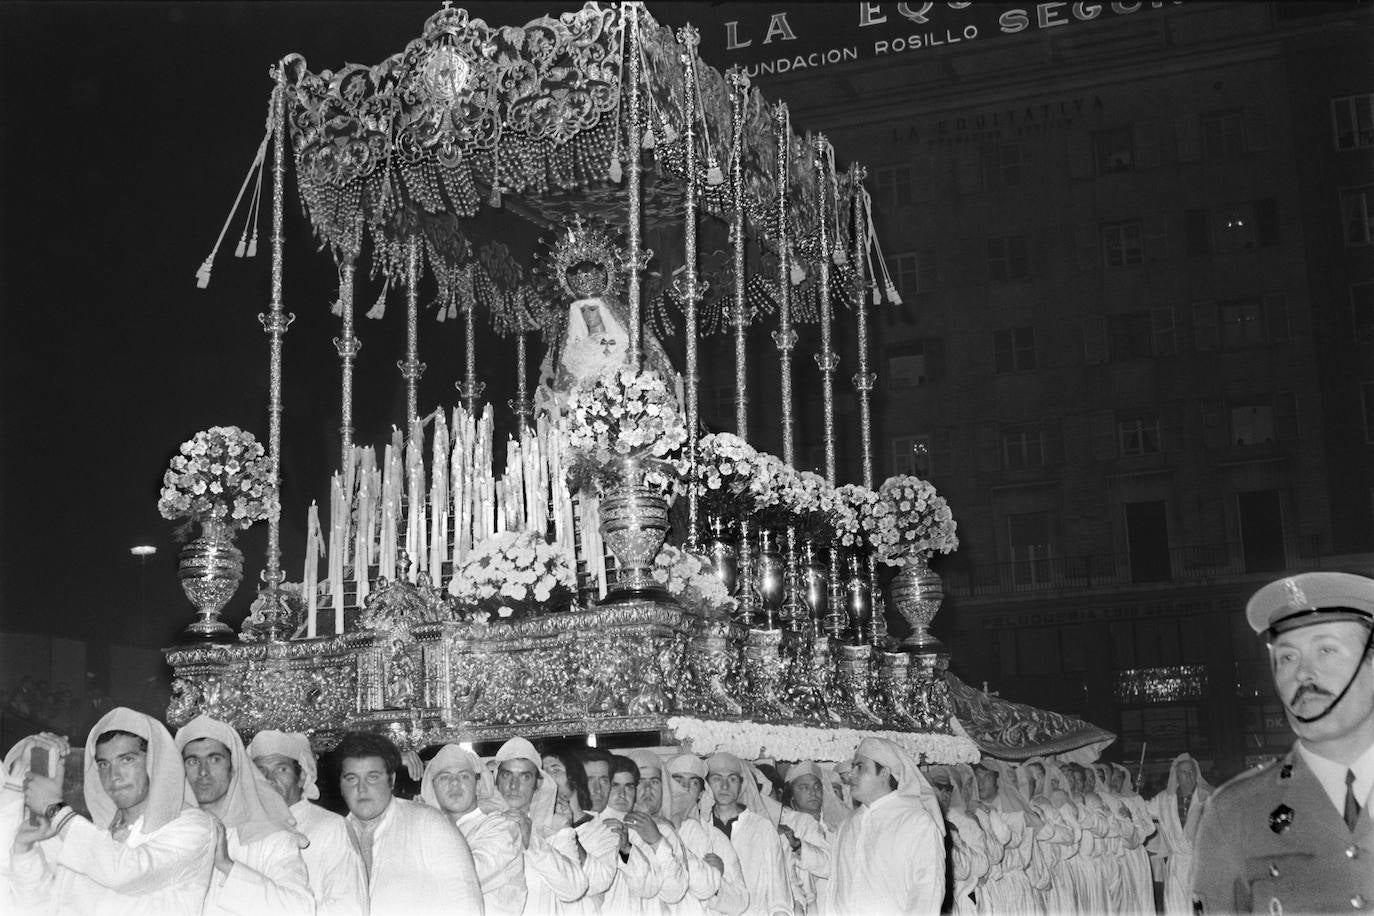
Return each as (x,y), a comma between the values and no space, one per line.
(1352,807)
(1183,810)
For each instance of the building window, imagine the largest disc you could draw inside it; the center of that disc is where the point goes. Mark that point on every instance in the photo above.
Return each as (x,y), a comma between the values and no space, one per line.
(1023,446)
(1223,135)
(1162,327)
(911,455)
(1007,258)
(1002,166)
(1352,121)
(1242,324)
(1357,215)
(1233,228)
(1014,349)
(1130,336)
(1252,424)
(1114,150)
(1264,421)
(1367,392)
(892,185)
(1123,245)
(906,365)
(903,268)
(1362,307)
(1031,547)
(1138,433)
(1197,233)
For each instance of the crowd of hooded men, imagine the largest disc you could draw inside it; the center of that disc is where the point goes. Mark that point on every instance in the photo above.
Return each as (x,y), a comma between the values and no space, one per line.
(200,822)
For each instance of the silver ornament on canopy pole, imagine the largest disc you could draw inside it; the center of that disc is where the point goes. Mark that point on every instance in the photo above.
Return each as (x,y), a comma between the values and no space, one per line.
(521,404)
(785,337)
(864,379)
(270,614)
(739,86)
(348,345)
(634,257)
(470,389)
(827,360)
(690,39)
(411,367)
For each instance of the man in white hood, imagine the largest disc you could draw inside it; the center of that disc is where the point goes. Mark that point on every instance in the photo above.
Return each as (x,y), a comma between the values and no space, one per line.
(457,783)
(890,855)
(148,849)
(332,863)
(1178,809)
(628,875)
(741,815)
(652,801)
(812,815)
(554,879)
(258,864)
(715,882)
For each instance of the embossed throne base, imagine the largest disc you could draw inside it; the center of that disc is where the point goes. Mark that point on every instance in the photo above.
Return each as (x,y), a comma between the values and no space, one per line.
(612,669)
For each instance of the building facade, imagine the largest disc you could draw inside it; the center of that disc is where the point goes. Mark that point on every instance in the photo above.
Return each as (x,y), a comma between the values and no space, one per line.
(1135,347)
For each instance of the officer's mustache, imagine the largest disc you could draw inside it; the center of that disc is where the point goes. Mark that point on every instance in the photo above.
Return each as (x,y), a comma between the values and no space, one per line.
(1306,689)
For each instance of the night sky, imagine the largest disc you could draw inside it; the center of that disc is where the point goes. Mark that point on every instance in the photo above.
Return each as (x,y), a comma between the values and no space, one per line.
(125,131)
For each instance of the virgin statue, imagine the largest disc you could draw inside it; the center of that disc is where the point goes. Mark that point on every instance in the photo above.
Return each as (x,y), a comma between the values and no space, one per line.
(595,335)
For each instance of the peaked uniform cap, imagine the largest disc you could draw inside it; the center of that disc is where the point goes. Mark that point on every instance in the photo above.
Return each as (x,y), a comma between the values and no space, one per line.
(1310,598)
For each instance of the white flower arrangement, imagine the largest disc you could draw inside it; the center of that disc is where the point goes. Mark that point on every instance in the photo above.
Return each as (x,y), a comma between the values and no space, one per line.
(750,740)
(725,466)
(910,518)
(689,579)
(856,503)
(513,570)
(623,413)
(221,473)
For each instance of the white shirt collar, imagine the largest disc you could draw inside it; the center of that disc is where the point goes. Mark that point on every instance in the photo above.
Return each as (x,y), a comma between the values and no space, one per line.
(1331,775)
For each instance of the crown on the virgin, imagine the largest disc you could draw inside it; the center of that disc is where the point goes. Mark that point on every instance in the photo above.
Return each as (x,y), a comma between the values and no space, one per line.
(582,242)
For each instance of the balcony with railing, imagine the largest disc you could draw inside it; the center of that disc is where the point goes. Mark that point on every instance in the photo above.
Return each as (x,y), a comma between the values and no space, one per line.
(1189,565)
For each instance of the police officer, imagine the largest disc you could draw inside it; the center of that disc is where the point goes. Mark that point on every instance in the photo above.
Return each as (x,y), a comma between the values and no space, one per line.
(1297,836)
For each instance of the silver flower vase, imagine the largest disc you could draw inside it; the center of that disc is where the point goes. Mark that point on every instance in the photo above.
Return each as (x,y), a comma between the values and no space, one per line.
(210,568)
(918,591)
(769,577)
(859,599)
(634,523)
(724,562)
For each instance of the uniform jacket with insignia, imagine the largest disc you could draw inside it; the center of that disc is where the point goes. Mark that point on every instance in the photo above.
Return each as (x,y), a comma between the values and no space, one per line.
(1271,841)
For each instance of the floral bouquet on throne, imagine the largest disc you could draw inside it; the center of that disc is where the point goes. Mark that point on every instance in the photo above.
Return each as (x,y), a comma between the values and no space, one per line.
(910,519)
(726,465)
(854,512)
(514,572)
(623,415)
(222,475)
(691,580)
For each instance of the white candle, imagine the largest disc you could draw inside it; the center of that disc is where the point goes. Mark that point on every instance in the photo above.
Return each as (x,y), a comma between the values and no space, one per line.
(311,574)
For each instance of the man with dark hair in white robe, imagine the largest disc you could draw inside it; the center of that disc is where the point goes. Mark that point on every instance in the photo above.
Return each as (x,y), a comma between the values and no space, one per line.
(332,863)
(258,864)
(148,849)
(457,783)
(741,815)
(890,855)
